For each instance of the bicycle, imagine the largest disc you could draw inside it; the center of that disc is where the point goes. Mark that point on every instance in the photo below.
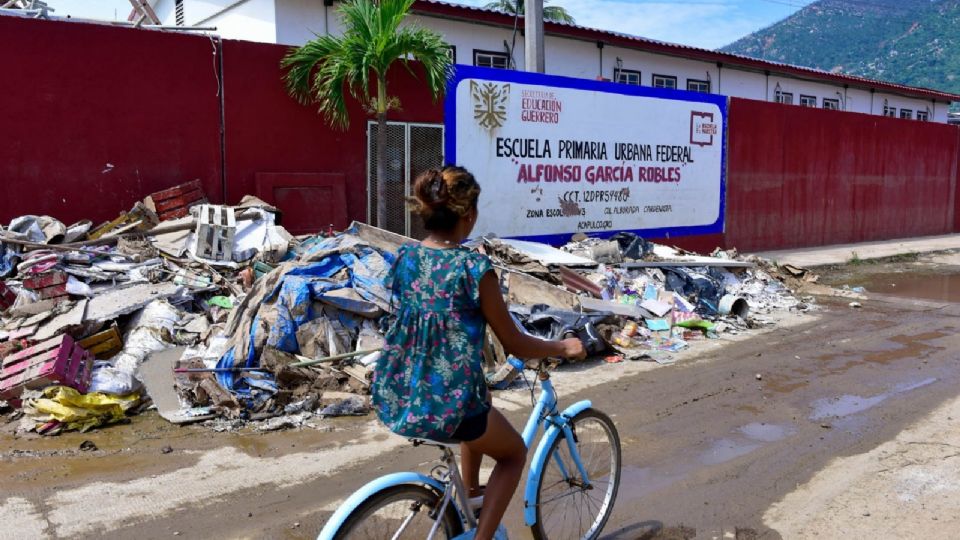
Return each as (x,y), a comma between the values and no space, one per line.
(571,464)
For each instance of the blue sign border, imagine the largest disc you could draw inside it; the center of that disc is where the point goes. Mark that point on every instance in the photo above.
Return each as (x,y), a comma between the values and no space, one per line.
(462,72)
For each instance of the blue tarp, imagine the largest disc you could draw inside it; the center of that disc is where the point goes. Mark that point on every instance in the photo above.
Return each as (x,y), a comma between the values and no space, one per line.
(341,262)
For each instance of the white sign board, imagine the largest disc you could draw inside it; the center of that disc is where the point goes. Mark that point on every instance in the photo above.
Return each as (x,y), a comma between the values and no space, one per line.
(556,156)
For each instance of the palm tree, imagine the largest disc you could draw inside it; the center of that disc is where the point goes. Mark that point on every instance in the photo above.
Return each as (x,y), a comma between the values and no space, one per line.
(326,69)
(550,13)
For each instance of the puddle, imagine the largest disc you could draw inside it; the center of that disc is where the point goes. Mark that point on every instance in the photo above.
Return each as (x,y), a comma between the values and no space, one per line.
(638,482)
(766,432)
(848,404)
(747,439)
(725,450)
(944,287)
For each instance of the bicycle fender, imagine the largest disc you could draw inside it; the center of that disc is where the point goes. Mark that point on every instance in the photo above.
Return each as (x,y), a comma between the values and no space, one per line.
(336,520)
(539,461)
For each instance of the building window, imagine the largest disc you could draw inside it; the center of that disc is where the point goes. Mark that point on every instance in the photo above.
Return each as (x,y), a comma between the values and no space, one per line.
(784,97)
(906,114)
(452,53)
(889,111)
(626,76)
(664,81)
(832,104)
(178,10)
(695,85)
(491,59)
(808,101)
(922,116)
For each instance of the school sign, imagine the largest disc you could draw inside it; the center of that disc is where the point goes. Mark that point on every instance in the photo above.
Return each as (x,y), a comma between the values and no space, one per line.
(556,155)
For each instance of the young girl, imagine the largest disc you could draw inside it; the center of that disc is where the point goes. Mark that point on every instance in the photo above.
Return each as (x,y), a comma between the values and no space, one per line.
(429,382)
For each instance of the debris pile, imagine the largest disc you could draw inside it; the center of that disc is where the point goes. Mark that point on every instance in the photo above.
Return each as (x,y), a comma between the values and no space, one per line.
(215,313)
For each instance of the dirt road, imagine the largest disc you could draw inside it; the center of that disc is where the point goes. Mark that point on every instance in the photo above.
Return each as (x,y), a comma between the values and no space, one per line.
(848,431)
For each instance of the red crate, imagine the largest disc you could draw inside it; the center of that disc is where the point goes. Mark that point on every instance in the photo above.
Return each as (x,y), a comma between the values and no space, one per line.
(7,297)
(176,202)
(57,361)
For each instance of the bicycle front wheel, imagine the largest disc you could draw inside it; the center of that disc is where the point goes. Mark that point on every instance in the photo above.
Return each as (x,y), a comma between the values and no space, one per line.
(568,507)
(406,512)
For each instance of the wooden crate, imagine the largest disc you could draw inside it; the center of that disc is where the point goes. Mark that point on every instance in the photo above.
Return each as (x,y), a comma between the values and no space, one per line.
(215,230)
(103,345)
(175,202)
(57,361)
(49,285)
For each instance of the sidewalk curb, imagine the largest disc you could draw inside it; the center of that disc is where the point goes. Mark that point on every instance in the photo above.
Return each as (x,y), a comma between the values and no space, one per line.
(843,253)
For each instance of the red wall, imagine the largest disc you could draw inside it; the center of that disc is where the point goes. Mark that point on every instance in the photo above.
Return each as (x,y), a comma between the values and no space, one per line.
(268,132)
(77,97)
(810,177)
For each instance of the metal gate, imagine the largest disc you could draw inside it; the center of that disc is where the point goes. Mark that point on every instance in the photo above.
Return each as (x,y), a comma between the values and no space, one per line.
(411,149)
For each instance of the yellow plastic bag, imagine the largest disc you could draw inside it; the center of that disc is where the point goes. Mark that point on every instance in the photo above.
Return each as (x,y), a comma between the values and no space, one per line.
(83,411)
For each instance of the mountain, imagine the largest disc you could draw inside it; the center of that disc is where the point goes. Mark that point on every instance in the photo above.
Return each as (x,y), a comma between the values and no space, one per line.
(912,42)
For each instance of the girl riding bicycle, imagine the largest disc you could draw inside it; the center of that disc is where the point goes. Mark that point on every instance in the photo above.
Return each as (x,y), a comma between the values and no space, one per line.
(429,382)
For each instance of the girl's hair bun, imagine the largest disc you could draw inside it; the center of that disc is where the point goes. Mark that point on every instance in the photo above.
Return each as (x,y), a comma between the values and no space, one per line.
(443,195)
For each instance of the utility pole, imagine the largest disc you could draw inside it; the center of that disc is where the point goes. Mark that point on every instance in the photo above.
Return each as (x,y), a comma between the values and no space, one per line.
(533,35)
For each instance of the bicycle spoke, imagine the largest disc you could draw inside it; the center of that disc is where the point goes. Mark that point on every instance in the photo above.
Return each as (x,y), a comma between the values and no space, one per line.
(572,508)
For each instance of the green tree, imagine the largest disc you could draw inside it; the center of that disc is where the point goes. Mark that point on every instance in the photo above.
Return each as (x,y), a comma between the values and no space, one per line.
(325,70)
(550,13)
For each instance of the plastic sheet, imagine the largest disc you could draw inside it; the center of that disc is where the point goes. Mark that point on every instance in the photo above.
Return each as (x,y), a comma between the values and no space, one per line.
(551,323)
(332,264)
(79,411)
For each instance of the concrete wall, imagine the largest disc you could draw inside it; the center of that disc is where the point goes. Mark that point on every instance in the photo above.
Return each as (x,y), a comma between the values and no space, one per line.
(299,21)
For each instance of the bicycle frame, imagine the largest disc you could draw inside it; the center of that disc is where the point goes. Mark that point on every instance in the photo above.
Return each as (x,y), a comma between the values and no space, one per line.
(544,413)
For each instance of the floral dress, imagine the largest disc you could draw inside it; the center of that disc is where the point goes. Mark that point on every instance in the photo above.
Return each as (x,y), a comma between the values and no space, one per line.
(430,375)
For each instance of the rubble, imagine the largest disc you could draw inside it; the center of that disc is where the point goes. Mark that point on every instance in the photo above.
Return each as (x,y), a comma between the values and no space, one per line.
(216,315)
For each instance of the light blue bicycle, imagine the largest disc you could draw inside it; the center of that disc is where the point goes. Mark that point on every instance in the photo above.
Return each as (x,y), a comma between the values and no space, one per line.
(570,489)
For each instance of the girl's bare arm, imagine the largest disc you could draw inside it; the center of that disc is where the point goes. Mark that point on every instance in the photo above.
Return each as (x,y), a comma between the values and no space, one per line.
(513,340)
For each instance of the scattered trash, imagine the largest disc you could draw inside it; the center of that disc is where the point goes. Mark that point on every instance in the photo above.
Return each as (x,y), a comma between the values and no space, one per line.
(216,315)
(855,305)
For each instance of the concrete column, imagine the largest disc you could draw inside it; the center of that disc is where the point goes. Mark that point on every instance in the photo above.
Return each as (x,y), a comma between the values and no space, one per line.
(533,35)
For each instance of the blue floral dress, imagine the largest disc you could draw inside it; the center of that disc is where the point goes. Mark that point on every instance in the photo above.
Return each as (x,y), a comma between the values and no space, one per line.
(430,375)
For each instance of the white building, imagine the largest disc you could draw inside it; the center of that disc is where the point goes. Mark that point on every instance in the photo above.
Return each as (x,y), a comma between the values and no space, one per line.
(485,37)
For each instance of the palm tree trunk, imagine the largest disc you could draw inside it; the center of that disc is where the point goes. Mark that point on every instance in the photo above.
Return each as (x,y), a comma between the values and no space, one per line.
(381,152)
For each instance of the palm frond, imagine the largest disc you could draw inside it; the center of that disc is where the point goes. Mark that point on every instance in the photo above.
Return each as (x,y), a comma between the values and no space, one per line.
(550,13)
(326,69)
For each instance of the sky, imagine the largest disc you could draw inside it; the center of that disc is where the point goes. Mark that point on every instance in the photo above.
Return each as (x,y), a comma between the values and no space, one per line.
(700,23)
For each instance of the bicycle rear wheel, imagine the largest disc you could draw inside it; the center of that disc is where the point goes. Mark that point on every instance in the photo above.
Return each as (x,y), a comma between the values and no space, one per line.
(407,509)
(566,508)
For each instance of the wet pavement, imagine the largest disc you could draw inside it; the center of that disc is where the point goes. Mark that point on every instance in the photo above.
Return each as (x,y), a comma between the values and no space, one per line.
(708,445)
(930,286)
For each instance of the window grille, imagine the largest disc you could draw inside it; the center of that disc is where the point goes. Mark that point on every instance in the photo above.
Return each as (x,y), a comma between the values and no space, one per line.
(626,76)
(664,81)
(491,59)
(411,149)
(695,85)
